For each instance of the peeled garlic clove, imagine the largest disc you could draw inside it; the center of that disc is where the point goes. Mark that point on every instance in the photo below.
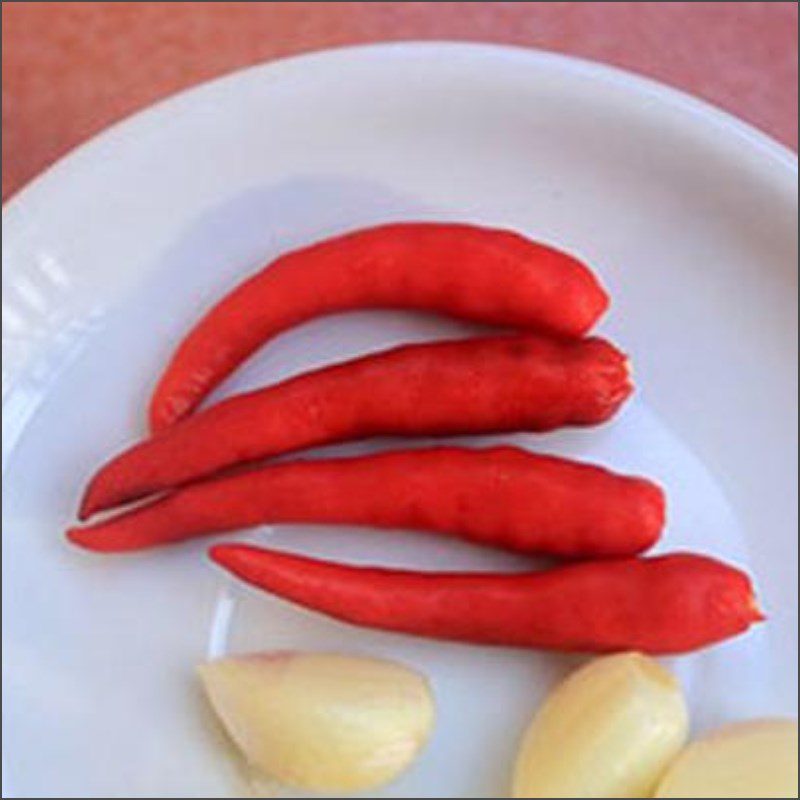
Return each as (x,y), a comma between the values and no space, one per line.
(610,730)
(322,722)
(748,759)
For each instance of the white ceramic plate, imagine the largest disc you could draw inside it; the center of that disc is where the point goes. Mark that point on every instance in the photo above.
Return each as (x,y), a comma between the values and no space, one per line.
(689,217)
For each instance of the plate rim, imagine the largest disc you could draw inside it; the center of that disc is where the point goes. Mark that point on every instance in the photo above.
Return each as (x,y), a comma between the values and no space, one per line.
(777,163)
(680,101)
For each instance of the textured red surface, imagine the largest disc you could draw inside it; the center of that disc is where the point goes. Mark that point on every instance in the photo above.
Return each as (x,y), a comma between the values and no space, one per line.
(71,69)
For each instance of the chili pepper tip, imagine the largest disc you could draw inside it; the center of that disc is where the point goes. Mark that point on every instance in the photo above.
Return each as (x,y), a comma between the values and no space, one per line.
(225,555)
(87,506)
(756,610)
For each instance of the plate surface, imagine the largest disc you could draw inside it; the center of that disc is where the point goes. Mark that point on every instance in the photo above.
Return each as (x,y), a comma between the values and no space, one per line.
(688,216)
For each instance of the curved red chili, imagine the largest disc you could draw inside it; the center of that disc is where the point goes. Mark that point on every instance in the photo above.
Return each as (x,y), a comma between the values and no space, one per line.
(503,496)
(491,276)
(665,605)
(508,383)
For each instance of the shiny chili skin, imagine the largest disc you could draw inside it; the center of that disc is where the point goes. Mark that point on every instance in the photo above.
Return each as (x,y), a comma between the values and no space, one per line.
(506,383)
(665,605)
(502,496)
(487,275)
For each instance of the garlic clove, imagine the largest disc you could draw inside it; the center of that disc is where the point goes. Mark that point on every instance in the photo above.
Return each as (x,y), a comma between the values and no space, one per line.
(748,759)
(609,730)
(323,722)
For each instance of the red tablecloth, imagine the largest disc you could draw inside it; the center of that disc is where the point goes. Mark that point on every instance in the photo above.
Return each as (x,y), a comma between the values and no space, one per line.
(71,69)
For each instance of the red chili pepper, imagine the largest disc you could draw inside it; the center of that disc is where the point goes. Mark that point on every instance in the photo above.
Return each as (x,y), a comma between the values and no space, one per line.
(492,276)
(471,386)
(666,605)
(502,496)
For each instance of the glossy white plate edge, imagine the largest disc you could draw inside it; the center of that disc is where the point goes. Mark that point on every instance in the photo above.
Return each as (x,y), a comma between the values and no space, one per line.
(59,177)
(63,176)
